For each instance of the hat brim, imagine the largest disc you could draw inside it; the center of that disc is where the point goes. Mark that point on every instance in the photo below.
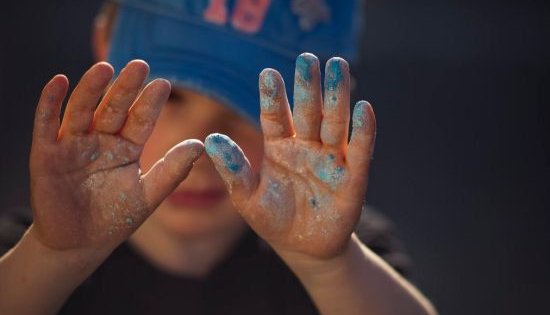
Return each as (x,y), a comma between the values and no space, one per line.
(198,56)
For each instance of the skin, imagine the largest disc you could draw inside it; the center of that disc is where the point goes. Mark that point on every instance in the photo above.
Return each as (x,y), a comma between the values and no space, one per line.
(303,195)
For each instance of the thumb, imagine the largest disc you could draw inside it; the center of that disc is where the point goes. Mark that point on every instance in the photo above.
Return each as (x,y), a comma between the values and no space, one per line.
(169,171)
(232,165)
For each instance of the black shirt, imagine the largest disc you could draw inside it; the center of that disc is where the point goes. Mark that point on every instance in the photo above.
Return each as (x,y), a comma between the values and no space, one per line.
(252,279)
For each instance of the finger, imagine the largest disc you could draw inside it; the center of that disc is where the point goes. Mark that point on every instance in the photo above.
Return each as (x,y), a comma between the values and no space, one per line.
(307,97)
(169,171)
(46,119)
(145,111)
(275,114)
(83,101)
(232,165)
(113,110)
(335,124)
(361,145)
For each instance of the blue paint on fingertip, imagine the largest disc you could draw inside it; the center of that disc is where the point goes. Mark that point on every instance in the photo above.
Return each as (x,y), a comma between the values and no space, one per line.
(303,66)
(269,81)
(216,138)
(268,89)
(360,114)
(222,148)
(306,67)
(334,74)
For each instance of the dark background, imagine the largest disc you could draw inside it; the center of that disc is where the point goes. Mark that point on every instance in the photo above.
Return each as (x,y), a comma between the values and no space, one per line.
(462,163)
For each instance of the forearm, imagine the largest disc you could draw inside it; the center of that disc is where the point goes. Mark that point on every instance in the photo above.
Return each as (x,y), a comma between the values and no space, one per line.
(358,282)
(35,279)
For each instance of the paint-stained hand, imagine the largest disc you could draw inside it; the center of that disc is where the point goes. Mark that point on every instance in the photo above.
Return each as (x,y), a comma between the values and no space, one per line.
(87,190)
(310,190)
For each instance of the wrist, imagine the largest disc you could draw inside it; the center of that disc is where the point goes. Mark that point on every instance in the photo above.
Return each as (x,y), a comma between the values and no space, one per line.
(306,266)
(37,279)
(77,261)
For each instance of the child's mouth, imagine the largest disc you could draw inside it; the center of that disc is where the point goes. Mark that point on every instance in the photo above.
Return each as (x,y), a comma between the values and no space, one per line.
(198,198)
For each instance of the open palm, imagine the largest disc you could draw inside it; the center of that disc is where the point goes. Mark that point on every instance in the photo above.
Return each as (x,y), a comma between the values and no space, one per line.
(310,190)
(86,185)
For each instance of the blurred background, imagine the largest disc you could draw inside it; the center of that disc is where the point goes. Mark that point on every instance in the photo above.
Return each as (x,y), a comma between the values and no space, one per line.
(462,163)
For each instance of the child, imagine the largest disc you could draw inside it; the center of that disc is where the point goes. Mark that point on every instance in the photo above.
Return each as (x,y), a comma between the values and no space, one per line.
(119,173)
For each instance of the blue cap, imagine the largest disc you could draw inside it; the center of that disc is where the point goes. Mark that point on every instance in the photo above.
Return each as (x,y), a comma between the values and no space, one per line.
(218,47)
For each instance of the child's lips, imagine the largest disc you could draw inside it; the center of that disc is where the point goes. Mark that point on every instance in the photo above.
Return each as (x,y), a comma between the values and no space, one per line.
(197,198)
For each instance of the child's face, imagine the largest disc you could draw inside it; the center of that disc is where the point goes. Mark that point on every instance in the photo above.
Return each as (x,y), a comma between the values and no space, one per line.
(200,204)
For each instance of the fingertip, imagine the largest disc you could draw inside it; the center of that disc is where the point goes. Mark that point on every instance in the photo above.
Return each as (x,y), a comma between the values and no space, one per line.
(192,146)
(363,136)
(304,62)
(214,140)
(60,79)
(269,79)
(104,66)
(163,83)
(272,91)
(57,85)
(184,154)
(308,56)
(138,68)
(193,143)
(224,152)
(161,86)
(54,91)
(337,62)
(102,73)
(361,104)
(269,72)
(307,69)
(336,73)
(363,115)
(231,164)
(138,63)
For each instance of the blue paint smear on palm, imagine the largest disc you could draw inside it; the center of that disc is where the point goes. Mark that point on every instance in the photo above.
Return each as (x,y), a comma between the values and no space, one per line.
(328,172)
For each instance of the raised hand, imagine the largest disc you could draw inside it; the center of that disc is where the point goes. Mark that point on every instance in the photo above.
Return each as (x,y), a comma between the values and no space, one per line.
(310,190)
(87,189)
